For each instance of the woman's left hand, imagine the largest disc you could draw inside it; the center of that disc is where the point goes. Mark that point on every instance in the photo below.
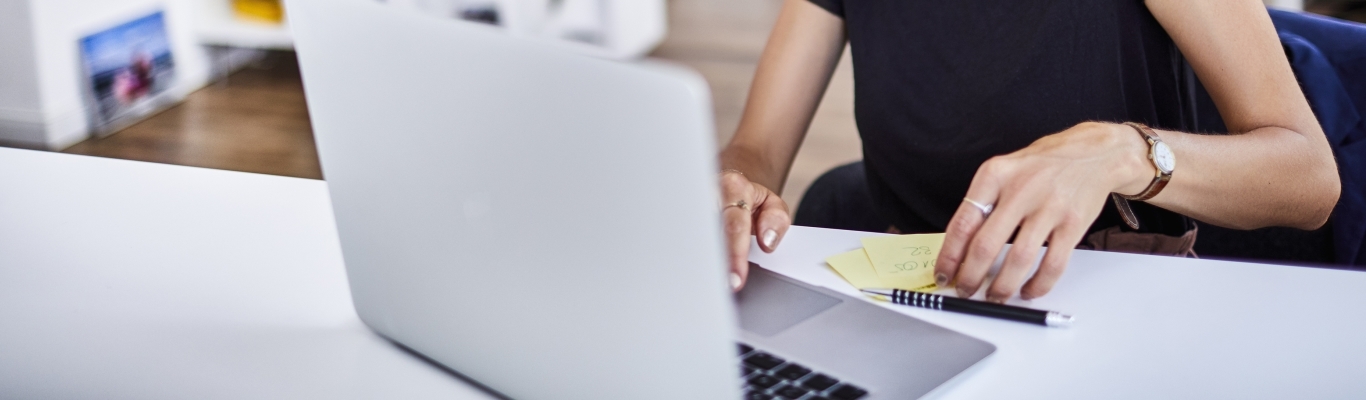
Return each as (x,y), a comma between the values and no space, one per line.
(1051,192)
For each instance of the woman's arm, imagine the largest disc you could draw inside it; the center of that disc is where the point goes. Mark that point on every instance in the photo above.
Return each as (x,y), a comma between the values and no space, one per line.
(793,72)
(1276,168)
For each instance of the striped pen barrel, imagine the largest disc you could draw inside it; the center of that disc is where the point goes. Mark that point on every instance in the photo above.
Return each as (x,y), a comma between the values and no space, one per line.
(974,307)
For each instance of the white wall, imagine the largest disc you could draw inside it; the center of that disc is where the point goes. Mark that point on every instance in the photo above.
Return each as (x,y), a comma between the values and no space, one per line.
(21,119)
(56,26)
(625,29)
(1286,4)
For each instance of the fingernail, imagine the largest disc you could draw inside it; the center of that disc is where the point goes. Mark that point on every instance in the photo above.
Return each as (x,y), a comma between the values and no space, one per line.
(996,300)
(734,280)
(963,293)
(941,280)
(769,236)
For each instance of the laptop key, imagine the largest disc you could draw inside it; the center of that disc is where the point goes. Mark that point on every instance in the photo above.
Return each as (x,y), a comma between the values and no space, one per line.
(763,360)
(757,396)
(848,392)
(764,381)
(745,349)
(820,382)
(792,372)
(745,371)
(790,392)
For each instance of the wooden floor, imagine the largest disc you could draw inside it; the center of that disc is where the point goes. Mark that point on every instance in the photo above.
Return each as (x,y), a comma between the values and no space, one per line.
(257,120)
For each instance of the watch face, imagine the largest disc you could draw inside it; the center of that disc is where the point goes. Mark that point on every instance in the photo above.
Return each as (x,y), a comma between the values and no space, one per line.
(1163,158)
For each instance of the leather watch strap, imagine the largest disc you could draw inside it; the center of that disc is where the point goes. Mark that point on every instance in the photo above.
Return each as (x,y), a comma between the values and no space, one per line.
(1155,187)
(1159,181)
(1125,212)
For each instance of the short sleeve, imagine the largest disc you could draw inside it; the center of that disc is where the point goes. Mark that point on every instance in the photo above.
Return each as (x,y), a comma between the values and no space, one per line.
(833,6)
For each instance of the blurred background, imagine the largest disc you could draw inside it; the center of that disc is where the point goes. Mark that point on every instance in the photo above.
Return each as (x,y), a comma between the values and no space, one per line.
(215,83)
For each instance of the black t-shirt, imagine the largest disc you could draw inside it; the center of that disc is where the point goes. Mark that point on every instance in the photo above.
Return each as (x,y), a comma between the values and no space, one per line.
(941,86)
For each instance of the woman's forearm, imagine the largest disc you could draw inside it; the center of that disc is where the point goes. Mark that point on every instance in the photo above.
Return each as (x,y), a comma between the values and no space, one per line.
(755,165)
(1269,176)
(792,75)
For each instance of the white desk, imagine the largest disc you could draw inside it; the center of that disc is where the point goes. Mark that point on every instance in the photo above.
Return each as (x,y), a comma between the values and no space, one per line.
(129,280)
(121,279)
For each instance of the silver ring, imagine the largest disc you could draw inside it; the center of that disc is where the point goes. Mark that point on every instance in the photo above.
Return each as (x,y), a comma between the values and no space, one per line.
(741,204)
(985,208)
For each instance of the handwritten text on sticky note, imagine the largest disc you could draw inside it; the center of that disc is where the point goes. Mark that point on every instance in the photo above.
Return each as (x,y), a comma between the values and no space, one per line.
(906,260)
(855,268)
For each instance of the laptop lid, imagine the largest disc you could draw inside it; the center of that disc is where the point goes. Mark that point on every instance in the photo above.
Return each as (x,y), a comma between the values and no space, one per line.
(542,222)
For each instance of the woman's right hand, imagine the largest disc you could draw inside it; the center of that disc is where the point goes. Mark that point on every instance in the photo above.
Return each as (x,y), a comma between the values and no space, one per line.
(750,209)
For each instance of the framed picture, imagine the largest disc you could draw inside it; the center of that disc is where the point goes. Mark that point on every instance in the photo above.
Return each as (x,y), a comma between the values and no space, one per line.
(129,70)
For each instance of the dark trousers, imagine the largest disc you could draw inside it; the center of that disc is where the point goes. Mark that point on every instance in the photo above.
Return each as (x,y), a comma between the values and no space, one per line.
(839,199)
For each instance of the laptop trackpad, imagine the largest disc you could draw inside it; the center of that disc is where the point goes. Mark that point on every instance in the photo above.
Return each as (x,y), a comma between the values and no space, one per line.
(769,304)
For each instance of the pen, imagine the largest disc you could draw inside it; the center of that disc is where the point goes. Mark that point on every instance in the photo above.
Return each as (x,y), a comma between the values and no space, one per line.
(974,307)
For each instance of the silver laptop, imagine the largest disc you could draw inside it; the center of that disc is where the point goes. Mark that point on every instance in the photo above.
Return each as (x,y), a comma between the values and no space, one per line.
(547,224)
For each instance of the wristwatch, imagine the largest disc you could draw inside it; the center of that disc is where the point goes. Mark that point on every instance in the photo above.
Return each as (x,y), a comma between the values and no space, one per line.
(1162,157)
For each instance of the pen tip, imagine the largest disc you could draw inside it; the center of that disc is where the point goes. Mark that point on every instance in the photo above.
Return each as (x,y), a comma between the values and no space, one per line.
(1059,320)
(880,295)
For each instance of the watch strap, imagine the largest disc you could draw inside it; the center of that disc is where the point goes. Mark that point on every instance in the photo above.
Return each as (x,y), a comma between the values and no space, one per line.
(1125,212)
(1160,180)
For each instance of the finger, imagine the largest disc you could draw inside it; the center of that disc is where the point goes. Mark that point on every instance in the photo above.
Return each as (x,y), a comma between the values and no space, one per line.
(1020,259)
(983,249)
(737,234)
(1060,246)
(966,222)
(737,220)
(772,221)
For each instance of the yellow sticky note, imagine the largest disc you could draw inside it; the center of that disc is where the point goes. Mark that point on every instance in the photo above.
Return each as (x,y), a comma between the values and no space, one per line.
(855,267)
(904,260)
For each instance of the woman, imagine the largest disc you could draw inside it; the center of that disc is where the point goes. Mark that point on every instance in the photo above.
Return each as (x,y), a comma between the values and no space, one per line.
(993,120)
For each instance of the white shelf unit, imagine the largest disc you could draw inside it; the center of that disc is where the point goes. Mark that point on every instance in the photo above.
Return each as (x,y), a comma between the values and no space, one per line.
(217,26)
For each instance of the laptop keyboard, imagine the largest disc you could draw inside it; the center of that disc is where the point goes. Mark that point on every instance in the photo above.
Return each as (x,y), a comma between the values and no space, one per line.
(769,377)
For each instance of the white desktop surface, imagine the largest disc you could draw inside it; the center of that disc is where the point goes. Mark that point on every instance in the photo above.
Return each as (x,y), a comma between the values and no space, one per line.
(122,279)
